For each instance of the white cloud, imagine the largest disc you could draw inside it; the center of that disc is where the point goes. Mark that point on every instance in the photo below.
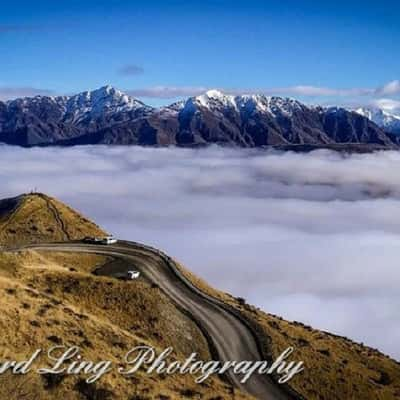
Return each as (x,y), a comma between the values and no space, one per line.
(165,92)
(300,90)
(390,89)
(387,104)
(312,237)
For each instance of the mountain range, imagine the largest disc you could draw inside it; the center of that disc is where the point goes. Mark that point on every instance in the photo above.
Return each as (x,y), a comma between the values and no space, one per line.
(109,116)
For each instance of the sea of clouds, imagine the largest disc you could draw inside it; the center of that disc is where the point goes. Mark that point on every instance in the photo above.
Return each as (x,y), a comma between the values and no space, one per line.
(311,237)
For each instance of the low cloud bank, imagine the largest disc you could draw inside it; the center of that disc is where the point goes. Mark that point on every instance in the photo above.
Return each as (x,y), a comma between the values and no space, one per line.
(312,237)
(391,88)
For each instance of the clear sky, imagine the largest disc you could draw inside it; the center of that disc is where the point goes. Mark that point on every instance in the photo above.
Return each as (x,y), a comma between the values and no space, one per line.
(162,49)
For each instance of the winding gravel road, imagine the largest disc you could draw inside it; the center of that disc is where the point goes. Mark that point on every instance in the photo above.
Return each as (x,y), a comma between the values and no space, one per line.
(230,336)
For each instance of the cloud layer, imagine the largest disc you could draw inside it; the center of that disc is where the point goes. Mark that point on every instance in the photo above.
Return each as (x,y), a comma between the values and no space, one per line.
(389,89)
(385,96)
(312,237)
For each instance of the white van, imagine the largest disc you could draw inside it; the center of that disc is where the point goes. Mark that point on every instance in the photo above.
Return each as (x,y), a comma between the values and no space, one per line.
(109,240)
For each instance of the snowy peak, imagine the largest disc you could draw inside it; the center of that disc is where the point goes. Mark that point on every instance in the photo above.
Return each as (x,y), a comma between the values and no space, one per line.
(385,119)
(215,94)
(104,100)
(215,100)
(212,99)
(82,107)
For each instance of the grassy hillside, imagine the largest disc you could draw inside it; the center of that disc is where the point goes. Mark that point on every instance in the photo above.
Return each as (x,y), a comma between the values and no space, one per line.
(35,218)
(51,300)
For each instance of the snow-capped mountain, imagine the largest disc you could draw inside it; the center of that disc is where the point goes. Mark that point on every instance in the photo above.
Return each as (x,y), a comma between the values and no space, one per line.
(258,120)
(386,120)
(89,104)
(104,100)
(215,100)
(109,116)
(49,119)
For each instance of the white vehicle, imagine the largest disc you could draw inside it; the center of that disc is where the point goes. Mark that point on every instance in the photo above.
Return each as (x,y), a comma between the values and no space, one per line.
(133,274)
(100,240)
(108,240)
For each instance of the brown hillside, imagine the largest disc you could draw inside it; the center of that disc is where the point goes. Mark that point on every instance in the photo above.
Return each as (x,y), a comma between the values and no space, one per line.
(35,218)
(52,300)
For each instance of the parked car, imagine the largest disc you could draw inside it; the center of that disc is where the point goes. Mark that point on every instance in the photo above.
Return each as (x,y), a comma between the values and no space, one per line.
(133,274)
(108,240)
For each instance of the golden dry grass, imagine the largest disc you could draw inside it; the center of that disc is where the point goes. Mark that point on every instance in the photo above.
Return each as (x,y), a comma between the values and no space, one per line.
(45,303)
(40,218)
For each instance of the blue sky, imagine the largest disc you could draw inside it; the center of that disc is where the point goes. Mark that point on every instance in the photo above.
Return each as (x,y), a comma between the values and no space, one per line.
(165,49)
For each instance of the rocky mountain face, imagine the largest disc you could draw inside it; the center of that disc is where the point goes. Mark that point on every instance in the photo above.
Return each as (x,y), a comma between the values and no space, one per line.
(108,116)
(47,120)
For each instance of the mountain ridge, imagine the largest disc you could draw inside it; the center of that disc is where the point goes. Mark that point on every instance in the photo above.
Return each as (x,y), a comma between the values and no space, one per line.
(109,116)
